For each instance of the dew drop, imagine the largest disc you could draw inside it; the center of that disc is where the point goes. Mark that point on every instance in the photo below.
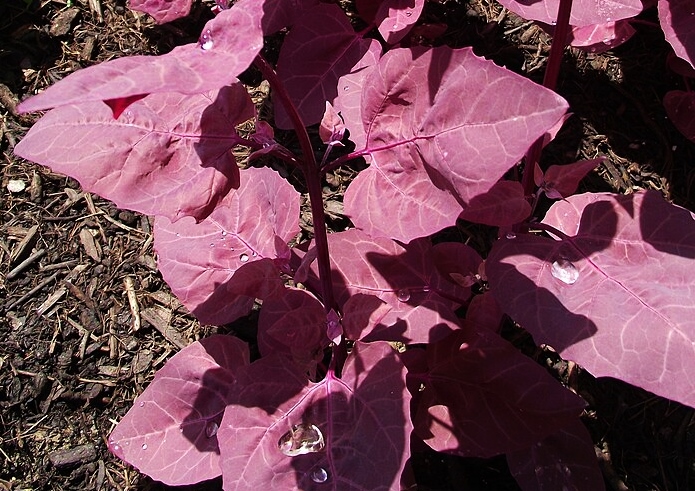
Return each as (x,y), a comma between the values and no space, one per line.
(244,258)
(511,235)
(206,42)
(212,245)
(115,447)
(178,234)
(403,295)
(408,13)
(565,271)
(142,404)
(211,429)
(254,254)
(144,446)
(224,234)
(319,475)
(346,88)
(301,439)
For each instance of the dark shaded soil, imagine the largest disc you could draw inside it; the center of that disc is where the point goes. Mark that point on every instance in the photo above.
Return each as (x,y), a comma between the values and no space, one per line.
(71,358)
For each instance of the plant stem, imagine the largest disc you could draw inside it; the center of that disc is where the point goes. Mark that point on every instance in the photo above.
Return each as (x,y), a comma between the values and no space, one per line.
(312,174)
(552,72)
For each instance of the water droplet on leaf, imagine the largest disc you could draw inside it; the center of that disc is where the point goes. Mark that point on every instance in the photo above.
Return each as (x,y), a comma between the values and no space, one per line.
(301,439)
(144,446)
(511,235)
(565,271)
(115,447)
(244,258)
(211,429)
(319,475)
(346,88)
(142,404)
(206,42)
(403,295)
(408,13)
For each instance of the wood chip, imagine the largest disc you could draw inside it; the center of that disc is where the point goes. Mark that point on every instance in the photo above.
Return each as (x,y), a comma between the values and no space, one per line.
(91,246)
(132,302)
(69,457)
(25,243)
(160,319)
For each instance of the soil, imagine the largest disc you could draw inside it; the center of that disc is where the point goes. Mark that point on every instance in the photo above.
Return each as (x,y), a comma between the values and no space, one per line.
(74,269)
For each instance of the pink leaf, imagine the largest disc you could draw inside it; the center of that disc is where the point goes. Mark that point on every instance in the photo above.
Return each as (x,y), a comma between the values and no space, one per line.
(295,324)
(602,37)
(170,433)
(350,433)
(218,266)
(321,47)
(439,135)
(227,47)
(457,262)
(584,12)
(162,10)
(677,18)
(565,460)
(349,98)
(483,397)
(156,157)
(332,129)
(504,204)
(616,296)
(680,107)
(402,276)
(563,180)
(395,18)
(680,66)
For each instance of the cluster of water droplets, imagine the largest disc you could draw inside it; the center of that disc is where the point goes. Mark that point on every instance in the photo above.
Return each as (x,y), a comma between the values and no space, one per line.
(301,439)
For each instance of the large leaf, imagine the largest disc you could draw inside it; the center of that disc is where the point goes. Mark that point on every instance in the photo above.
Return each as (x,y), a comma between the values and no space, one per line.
(395,18)
(321,47)
(218,266)
(482,397)
(616,295)
(680,107)
(439,135)
(677,18)
(167,154)
(564,460)
(350,433)
(162,10)
(420,300)
(584,12)
(170,433)
(227,46)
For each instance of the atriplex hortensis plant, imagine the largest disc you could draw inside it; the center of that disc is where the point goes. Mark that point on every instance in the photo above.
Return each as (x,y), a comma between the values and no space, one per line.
(331,404)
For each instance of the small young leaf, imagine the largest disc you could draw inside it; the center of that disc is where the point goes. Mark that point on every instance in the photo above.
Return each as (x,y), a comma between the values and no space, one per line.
(332,128)
(170,433)
(395,18)
(562,180)
(162,10)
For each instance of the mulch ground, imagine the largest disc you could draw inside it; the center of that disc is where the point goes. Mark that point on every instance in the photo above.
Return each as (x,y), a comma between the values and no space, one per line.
(86,320)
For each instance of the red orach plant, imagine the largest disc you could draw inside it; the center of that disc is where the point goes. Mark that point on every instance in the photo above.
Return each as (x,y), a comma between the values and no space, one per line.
(331,404)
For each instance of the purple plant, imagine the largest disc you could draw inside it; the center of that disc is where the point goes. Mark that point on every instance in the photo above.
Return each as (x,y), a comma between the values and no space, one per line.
(331,404)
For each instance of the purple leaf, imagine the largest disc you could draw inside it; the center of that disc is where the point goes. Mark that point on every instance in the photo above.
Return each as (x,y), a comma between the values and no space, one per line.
(678,23)
(321,47)
(218,266)
(162,10)
(402,276)
(395,18)
(485,312)
(503,204)
(616,296)
(565,460)
(332,128)
(439,135)
(457,262)
(170,433)
(279,14)
(483,397)
(156,157)
(602,37)
(350,88)
(584,12)
(562,180)
(227,46)
(293,323)
(680,107)
(340,434)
